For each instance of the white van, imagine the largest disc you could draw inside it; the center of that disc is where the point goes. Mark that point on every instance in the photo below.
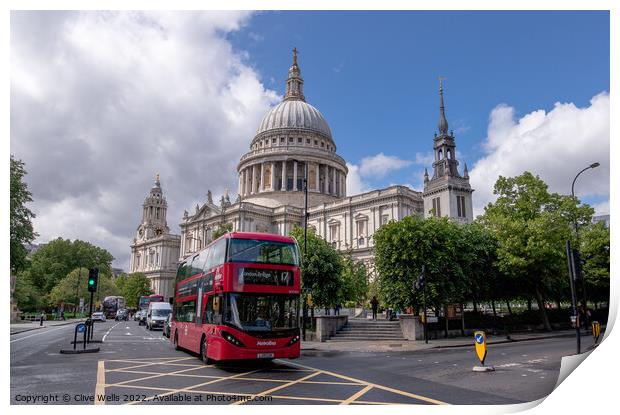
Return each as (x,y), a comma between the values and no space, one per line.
(157,314)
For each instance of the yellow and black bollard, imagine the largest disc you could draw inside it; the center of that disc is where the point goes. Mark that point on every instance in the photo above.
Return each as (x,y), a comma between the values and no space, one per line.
(596,330)
(480,341)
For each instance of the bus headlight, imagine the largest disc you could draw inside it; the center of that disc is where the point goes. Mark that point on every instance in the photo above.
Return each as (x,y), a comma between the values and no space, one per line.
(294,340)
(231,339)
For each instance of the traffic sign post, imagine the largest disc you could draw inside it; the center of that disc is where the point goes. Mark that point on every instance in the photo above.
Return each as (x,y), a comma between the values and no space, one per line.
(80,328)
(480,342)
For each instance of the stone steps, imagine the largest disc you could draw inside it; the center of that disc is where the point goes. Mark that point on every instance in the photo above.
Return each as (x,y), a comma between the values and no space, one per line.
(369,330)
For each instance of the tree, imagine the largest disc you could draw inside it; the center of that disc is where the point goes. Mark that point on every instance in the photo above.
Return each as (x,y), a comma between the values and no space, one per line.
(56,259)
(401,248)
(20,216)
(137,285)
(321,269)
(221,230)
(27,296)
(76,283)
(595,254)
(354,280)
(531,227)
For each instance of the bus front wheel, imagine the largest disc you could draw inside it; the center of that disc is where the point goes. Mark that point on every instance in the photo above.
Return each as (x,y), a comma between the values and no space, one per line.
(203,351)
(176,341)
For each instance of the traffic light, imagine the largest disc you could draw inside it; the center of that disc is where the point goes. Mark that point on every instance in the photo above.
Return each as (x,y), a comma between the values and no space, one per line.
(93,276)
(578,265)
(419,284)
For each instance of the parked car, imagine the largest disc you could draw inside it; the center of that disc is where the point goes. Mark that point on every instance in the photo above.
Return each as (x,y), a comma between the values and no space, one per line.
(157,315)
(98,316)
(166,330)
(122,314)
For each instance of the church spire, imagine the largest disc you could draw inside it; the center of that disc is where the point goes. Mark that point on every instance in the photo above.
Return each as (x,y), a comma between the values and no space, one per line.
(443,123)
(294,82)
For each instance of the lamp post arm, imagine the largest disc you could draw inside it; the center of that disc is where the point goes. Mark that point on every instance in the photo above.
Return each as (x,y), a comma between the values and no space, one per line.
(572,188)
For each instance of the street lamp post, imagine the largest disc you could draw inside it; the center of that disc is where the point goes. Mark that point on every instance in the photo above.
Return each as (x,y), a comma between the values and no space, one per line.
(583,282)
(573,269)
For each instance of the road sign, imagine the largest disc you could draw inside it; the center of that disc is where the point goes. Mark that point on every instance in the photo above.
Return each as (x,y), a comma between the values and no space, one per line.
(481,345)
(81,327)
(596,330)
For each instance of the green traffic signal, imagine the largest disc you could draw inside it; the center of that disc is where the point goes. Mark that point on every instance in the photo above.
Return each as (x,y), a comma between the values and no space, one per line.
(93,273)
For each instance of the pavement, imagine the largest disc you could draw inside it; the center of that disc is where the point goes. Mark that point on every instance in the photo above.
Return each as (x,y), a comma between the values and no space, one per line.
(17,328)
(417,345)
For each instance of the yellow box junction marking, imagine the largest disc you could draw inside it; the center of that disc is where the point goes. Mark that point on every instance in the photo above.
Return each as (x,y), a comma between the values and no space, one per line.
(283,383)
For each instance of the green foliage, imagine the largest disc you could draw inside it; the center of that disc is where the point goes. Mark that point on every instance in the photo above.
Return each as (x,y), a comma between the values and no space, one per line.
(401,248)
(595,253)
(135,286)
(56,259)
(354,281)
(27,296)
(221,230)
(76,283)
(20,216)
(531,226)
(321,270)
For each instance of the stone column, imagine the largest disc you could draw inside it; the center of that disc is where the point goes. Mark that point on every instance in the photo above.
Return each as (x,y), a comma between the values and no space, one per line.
(273,175)
(253,180)
(247,180)
(295,176)
(283,176)
(262,177)
(333,181)
(318,183)
(240,183)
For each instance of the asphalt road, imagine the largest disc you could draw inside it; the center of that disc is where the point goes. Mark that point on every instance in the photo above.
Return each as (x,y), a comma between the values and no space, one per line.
(137,366)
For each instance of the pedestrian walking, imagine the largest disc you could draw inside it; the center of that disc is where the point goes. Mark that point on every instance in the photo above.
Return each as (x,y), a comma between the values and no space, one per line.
(42,317)
(337,310)
(374,303)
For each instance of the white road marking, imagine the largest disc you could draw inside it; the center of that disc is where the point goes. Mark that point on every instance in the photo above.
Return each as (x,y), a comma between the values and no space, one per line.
(42,332)
(108,332)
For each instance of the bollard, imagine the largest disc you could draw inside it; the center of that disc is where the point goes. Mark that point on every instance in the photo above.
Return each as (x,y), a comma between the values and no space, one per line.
(480,342)
(596,331)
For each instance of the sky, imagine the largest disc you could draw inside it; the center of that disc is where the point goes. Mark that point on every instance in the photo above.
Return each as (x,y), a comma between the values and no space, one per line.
(103,101)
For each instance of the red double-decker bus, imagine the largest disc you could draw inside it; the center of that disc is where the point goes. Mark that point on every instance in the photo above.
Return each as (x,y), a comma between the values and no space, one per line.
(238,298)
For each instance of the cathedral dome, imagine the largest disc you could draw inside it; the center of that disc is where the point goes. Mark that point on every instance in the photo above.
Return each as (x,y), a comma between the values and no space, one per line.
(295,114)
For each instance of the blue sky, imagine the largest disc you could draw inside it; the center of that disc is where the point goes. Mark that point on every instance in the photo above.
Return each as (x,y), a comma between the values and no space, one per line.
(121,96)
(373,75)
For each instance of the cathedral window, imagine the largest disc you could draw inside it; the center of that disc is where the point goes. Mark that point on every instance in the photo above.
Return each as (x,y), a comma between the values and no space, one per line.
(290,139)
(448,154)
(334,232)
(460,206)
(316,142)
(437,207)
(440,153)
(273,141)
(322,144)
(384,219)
(360,241)
(307,141)
(299,140)
(281,140)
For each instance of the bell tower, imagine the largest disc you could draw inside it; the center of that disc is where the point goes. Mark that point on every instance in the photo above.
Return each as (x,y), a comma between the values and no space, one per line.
(154,250)
(447,193)
(154,210)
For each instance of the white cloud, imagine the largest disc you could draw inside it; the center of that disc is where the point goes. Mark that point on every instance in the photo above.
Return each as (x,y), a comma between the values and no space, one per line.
(379,165)
(355,182)
(602,208)
(554,145)
(101,101)
(372,168)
